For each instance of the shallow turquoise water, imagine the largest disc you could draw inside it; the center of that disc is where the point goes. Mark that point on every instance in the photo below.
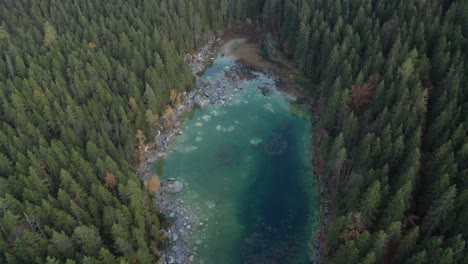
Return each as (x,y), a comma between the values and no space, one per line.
(246,167)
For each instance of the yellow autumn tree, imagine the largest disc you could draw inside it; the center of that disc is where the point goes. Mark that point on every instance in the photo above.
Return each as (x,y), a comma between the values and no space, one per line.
(152,185)
(174,96)
(169,113)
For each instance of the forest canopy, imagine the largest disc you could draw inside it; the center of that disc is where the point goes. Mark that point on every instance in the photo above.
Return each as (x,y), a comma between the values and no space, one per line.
(392,128)
(78,79)
(83,83)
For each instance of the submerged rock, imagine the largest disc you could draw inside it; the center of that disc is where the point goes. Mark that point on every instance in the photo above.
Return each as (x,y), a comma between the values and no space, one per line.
(186,149)
(226,154)
(276,146)
(256,141)
(206,118)
(269,107)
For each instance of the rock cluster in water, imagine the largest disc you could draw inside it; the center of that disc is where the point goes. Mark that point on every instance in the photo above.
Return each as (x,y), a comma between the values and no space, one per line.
(217,91)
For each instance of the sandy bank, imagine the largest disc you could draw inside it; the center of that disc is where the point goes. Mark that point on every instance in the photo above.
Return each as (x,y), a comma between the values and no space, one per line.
(240,48)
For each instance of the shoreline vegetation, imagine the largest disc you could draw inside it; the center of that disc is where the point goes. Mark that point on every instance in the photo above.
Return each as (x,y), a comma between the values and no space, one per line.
(241,44)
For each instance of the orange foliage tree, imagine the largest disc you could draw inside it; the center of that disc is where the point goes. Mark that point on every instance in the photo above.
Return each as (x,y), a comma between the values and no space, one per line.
(152,185)
(354,227)
(110,181)
(131,102)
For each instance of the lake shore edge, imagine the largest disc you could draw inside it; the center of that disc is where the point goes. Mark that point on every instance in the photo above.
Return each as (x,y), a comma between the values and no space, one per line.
(178,235)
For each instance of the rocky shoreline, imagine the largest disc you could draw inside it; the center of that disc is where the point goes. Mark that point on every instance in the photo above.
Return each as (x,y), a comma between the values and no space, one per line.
(177,234)
(208,92)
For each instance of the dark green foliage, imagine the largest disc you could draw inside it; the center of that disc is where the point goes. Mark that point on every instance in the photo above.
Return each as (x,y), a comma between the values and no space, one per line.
(392,126)
(77,79)
(370,201)
(439,210)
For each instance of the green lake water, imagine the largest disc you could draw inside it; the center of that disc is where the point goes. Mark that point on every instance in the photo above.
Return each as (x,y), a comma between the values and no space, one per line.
(246,169)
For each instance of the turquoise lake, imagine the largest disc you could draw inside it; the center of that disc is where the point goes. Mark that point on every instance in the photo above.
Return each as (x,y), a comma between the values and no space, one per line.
(247,174)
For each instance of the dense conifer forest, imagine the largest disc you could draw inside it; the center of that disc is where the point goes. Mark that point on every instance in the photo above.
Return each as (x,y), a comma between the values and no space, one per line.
(78,79)
(82,83)
(393,147)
